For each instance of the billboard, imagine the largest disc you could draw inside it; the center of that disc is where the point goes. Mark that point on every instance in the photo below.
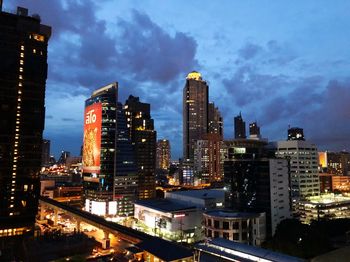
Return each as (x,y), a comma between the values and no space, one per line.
(92,138)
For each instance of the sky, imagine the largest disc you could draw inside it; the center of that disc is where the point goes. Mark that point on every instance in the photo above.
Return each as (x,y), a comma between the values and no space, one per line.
(280,63)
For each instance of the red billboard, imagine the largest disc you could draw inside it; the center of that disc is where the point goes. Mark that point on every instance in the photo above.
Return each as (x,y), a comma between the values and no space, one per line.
(92,138)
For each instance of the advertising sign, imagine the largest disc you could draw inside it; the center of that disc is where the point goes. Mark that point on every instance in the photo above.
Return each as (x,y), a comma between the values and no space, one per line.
(92,138)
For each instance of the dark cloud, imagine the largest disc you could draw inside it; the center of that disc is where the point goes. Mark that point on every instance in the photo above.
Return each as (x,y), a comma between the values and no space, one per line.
(249,51)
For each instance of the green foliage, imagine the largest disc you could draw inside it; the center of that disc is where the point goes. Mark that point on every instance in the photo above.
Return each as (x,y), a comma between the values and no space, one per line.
(307,241)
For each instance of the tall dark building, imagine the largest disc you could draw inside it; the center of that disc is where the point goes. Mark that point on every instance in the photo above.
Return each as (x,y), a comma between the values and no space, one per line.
(23,73)
(195,112)
(239,127)
(109,170)
(256,181)
(63,157)
(296,133)
(254,130)
(45,153)
(144,140)
(215,121)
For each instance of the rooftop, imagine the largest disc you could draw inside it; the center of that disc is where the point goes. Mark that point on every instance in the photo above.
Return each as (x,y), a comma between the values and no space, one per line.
(231,214)
(242,252)
(327,199)
(164,205)
(201,193)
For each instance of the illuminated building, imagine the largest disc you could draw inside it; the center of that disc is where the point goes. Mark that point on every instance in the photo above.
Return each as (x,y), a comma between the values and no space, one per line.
(23,73)
(144,140)
(254,130)
(224,250)
(45,153)
(186,173)
(215,121)
(256,182)
(195,112)
(239,126)
(207,158)
(248,228)
(328,206)
(334,183)
(109,170)
(63,158)
(322,161)
(163,154)
(303,159)
(295,133)
(338,163)
(170,220)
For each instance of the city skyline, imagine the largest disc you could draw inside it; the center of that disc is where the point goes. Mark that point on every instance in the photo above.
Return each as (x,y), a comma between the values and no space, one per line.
(256,51)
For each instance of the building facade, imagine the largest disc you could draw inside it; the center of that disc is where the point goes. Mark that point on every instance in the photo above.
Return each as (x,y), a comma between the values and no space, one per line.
(248,228)
(215,121)
(207,158)
(23,73)
(257,182)
(109,170)
(163,154)
(195,112)
(239,127)
(144,140)
(45,153)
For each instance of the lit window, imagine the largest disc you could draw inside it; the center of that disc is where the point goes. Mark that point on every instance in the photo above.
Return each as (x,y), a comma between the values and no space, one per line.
(34,51)
(22,47)
(21,69)
(20,77)
(22,54)
(21,62)
(25,188)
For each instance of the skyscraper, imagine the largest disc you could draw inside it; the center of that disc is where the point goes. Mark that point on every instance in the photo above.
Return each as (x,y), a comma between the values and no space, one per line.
(254,130)
(195,112)
(144,139)
(163,154)
(45,153)
(239,126)
(295,133)
(23,73)
(109,170)
(215,122)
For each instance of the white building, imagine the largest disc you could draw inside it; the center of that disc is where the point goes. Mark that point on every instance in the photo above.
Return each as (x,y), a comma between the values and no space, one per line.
(169,220)
(303,159)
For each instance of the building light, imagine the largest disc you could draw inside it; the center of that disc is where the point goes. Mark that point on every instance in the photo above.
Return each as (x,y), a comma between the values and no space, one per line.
(34,51)
(38,37)
(22,47)
(179,215)
(21,69)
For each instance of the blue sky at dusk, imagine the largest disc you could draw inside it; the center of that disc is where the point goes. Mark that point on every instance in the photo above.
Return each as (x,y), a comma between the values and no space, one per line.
(279,62)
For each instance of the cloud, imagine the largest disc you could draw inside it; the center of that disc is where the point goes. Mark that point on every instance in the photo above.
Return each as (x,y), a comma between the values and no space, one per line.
(249,51)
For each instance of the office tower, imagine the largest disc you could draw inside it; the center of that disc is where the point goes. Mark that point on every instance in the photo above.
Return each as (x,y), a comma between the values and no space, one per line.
(63,157)
(186,173)
(254,130)
(295,133)
(23,73)
(45,153)
(338,163)
(163,154)
(239,127)
(144,139)
(303,160)
(109,170)
(195,112)
(207,158)
(256,181)
(215,122)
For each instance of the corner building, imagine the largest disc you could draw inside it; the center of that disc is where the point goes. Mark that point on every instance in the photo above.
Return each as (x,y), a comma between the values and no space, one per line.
(195,112)
(23,73)
(109,170)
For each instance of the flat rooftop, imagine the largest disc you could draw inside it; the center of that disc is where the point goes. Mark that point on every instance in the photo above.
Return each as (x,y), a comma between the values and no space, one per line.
(231,214)
(164,205)
(200,193)
(234,251)
(327,199)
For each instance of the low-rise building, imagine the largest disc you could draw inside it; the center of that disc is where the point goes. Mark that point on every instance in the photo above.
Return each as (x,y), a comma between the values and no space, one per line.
(328,206)
(249,228)
(169,220)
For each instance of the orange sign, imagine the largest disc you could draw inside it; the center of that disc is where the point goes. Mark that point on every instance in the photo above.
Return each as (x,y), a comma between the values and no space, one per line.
(92,138)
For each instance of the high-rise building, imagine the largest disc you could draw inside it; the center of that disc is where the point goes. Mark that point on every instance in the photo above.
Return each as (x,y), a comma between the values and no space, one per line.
(195,112)
(215,121)
(45,153)
(163,154)
(23,73)
(254,130)
(256,181)
(303,161)
(63,157)
(338,163)
(207,158)
(109,170)
(239,126)
(144,139)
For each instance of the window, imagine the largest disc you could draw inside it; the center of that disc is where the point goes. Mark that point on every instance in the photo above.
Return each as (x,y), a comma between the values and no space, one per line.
(235,225)
(225,225)
(209,233)
(209,222)
(226,235)
(244,224)
(244,236)
(235,236)
(216,224)
(216,234)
